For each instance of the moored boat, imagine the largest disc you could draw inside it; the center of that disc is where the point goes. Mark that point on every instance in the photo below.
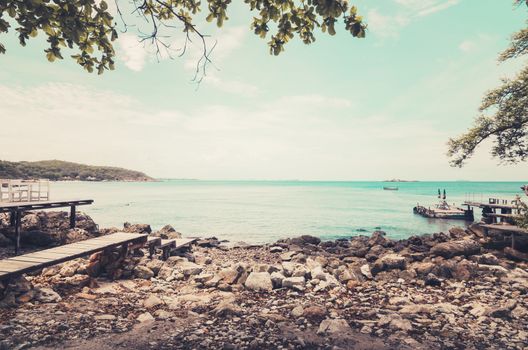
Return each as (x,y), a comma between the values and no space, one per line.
(390,188)
(444,210)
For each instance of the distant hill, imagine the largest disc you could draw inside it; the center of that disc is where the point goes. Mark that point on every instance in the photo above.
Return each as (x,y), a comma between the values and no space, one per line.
(60,170)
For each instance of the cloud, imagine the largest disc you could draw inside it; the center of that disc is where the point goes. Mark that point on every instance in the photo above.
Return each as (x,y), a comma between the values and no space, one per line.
(422,8)
(467,46)
(389,25)
(132,52)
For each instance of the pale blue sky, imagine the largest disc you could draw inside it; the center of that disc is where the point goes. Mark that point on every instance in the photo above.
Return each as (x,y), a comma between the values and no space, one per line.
(340,109)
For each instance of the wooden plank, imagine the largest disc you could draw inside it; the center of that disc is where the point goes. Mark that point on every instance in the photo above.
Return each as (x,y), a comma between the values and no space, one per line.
(167,243)
(28,259)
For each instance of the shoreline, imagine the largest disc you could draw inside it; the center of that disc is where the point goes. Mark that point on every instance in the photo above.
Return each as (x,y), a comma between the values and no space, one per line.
(367,292)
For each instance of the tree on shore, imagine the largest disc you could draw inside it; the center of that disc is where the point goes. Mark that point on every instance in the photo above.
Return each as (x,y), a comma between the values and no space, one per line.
(89,27)
(504,115)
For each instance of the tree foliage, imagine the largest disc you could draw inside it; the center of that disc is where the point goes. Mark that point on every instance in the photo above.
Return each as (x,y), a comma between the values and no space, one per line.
(504,115)
(89,27)
(60,170)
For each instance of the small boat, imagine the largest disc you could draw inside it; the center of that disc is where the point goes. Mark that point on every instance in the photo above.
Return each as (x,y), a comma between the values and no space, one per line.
(390,188)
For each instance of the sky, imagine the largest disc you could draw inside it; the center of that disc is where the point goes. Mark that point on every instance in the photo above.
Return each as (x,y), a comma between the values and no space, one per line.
(339,109)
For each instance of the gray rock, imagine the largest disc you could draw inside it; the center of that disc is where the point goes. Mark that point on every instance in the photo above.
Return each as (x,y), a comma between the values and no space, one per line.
(152,301)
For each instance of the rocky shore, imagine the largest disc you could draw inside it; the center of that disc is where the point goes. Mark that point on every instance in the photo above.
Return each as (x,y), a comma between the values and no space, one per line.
(455,290)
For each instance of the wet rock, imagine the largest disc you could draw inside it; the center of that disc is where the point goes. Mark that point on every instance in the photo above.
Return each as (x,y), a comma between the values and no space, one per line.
(450,249)
(259,282)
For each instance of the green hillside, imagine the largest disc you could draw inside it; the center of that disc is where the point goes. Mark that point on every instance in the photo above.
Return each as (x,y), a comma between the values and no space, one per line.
(60,170)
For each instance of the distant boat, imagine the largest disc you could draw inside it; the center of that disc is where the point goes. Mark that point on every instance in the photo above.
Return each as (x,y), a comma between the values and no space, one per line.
(390,188)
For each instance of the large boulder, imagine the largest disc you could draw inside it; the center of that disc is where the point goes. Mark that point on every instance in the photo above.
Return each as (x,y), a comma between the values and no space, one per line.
(136,228)
(297,283)
(259,282)
(167,232)
(333,326)
(450,249)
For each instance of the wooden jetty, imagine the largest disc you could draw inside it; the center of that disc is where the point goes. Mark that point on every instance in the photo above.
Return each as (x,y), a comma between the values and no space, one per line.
(17,208)
(24,190)
(35,261)
(496,210)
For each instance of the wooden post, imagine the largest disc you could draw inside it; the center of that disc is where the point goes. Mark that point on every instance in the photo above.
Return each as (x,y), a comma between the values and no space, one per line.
(72,216)
(17,231)
(12,218)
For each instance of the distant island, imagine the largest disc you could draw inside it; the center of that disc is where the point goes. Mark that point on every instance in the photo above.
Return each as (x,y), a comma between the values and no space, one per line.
(400,180)
(58,170)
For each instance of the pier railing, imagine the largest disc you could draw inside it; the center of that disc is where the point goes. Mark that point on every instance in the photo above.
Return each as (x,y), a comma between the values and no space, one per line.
(24,190)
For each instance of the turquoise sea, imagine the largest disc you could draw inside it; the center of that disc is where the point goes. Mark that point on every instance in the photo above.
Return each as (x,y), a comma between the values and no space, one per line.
(264,211)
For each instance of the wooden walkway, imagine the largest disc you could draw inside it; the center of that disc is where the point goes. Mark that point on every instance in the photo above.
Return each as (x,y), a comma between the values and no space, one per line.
(38,260)
(16,209)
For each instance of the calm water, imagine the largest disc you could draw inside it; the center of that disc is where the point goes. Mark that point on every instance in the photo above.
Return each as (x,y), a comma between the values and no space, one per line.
(264,211)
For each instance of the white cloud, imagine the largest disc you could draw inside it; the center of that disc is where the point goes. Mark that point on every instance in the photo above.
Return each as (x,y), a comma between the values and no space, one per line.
(389,25)
(132,52)
(467,46)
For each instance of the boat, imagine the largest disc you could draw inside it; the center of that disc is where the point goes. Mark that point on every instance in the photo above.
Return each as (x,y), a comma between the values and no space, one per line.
(444,210)
(390,188)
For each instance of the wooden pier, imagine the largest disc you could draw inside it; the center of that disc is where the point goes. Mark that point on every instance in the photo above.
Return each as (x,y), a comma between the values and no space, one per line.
(35,261)
(496,210)
(17,208)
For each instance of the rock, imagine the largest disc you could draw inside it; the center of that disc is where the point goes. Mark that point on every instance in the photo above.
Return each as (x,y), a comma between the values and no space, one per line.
(388,262)
(314,313)
(259,282)
(432,280)
(69,268)
(276,249)
(191,269)
(379,238)
(227,308)
(503,311)
(297,311)
(276,279)
(423,268)
(152,301)
(296,283)
(47,295)
(162,314)
(310,239)
(450,249)
(155,265)
(287,256)
(365,270)
(137,228)
(204,277)
(143,272)
(515,254)
(105,317)
(168,232)
(231,274)
(333,326)
(416,309)
(145,317)
(485,259)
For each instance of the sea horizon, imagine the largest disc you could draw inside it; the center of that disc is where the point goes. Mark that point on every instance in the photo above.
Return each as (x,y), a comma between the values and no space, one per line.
(263,211)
